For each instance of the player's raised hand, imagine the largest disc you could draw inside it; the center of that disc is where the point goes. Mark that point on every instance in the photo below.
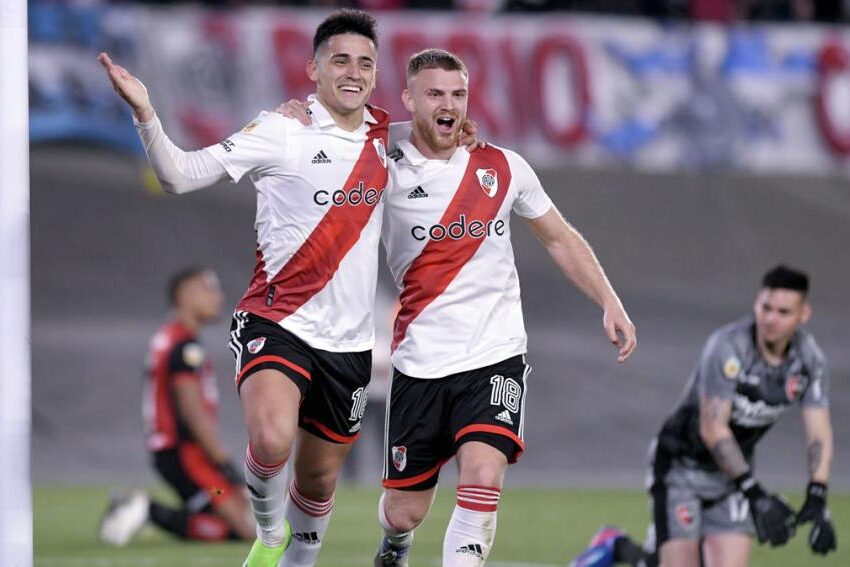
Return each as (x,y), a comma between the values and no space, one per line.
(129,88)
(297,109)
(469,136)
(620,330)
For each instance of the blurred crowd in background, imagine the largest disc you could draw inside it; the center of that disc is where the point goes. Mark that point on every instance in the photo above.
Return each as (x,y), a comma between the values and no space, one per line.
(828,11)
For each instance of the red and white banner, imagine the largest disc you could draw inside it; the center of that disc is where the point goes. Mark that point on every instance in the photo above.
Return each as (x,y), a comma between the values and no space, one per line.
(555,88)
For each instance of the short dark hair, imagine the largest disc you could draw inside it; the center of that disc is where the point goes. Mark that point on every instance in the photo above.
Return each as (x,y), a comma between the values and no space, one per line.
(346,21)
(176,281)
(434,59)
(783,277)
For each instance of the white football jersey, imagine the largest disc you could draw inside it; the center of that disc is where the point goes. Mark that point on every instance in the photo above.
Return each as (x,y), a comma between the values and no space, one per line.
(320,197)
(447,236)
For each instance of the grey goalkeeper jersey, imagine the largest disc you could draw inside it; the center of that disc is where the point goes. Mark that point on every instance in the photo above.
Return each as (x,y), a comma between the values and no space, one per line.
(731,368)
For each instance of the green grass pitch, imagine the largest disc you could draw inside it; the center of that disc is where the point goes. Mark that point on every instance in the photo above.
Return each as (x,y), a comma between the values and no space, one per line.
(537,528)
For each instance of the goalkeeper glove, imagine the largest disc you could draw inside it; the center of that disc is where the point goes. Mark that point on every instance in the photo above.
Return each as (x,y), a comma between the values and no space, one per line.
(772,516)
(822,538)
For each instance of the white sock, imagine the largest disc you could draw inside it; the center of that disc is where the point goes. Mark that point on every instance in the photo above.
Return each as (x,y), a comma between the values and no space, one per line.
(472,528)
(396,538)
(267,488)
(309,520)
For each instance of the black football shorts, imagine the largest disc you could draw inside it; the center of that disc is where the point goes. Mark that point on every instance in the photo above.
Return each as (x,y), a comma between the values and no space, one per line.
(332,384)
(429,419)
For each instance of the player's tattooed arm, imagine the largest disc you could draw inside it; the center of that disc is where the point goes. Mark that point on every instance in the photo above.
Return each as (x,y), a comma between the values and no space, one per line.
(818,428)
(714,416)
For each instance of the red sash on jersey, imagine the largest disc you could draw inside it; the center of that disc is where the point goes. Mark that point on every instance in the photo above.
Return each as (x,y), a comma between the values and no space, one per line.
(438,264)
(317,260)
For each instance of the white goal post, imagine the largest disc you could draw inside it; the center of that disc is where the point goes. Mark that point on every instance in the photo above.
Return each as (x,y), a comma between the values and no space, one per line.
(15,409)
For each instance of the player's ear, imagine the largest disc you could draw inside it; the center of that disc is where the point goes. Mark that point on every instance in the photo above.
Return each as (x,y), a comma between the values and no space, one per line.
(807,312)
(313,70)
(407,99)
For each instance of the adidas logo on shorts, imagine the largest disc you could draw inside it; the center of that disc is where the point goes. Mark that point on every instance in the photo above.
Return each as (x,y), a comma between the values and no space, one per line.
(321,157)
(471,549)
(418,193)
(504,417)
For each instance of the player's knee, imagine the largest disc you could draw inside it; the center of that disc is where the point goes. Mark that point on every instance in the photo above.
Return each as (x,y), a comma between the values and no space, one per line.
(404,520)
(404,517)
(270,444)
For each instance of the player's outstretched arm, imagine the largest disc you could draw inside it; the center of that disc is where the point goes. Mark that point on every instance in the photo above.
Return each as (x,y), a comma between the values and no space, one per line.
(177,171)
(129,88)
(576,259)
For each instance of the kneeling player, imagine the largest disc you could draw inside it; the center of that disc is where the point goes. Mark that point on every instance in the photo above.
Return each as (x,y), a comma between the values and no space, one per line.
(706,501)
(180,414)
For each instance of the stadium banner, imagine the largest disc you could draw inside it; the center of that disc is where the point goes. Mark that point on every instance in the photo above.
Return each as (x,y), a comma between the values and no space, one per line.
(557,88)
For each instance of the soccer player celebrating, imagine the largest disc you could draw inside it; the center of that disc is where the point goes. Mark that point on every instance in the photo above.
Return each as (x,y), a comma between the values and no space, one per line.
(459,342)
(180,416)
(706,500)
(302,333)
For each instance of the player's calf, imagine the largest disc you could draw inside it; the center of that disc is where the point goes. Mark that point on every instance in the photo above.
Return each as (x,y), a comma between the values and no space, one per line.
(472,527)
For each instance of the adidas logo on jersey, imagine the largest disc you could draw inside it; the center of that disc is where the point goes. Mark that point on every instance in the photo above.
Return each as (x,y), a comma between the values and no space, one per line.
(471,549)
(321,157)
(310,538)
(504,417)
(418,193)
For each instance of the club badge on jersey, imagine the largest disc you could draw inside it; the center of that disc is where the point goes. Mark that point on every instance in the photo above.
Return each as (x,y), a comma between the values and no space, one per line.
(489,181)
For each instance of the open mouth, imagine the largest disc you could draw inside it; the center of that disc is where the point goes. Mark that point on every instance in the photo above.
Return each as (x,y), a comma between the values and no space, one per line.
(351,89)
(445,124)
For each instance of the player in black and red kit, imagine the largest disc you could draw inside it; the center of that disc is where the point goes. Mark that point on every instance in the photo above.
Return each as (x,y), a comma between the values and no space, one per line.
(180,406)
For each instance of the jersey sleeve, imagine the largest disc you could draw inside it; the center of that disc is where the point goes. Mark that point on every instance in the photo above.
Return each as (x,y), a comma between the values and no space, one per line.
(817,394)
(531,201)
(186,361)
(719,368)
(254,149)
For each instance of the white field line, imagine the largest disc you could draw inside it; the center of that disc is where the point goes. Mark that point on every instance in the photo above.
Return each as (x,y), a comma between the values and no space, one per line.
(209,561)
